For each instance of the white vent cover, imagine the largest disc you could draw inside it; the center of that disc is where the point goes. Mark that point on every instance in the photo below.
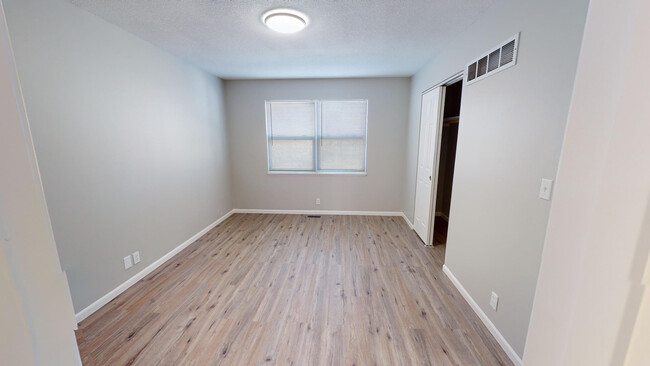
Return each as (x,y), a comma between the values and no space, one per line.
(499,59)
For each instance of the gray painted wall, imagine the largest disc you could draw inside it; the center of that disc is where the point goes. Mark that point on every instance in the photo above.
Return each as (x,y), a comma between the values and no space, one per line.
(510,136)
(131,142)
(36,315)
(592,303)
(380,190)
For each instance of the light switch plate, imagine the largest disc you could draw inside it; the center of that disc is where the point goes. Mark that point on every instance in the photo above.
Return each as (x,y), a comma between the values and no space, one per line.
(494,301)
(546,189)
(136,257)
(127,262)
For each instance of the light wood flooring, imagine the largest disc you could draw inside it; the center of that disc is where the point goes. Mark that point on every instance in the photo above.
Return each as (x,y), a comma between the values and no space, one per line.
(292,290)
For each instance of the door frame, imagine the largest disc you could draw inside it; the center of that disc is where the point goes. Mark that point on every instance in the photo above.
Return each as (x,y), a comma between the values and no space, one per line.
(459,76)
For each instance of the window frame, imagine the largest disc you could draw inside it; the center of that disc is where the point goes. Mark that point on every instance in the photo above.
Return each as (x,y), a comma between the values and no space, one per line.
(317,137)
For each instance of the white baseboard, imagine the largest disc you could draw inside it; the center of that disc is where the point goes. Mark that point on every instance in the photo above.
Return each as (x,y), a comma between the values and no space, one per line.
(318,212)
(408,221)
(514,357)
(326,212)
(83,314)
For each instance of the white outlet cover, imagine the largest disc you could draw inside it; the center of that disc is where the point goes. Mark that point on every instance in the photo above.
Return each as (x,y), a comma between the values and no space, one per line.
(136,257)
(127,262)
(494,301)
(318,201)
(545,189)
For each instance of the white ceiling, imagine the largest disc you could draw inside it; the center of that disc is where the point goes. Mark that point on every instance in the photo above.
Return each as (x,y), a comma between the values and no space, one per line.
(346,38)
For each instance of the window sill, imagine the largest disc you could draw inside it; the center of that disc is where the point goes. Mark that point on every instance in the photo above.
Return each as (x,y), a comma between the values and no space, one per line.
(289,172)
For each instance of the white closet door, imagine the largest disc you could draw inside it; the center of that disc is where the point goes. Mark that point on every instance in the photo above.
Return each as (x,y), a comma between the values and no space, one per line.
(424,191)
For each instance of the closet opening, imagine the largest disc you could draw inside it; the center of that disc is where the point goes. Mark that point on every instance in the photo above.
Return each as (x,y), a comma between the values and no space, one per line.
(447,159)
(439,122)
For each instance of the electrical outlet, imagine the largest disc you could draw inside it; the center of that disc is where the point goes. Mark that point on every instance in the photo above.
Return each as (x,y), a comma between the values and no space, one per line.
(136,257)
(127,262)
(494,301)
(318,201)
(545,189)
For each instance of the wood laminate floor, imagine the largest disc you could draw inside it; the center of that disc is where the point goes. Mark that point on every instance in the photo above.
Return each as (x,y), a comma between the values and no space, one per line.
(292,290)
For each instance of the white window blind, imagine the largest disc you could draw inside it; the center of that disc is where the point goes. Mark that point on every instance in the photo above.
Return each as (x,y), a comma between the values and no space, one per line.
(342,142)
(291,128)
(317,136)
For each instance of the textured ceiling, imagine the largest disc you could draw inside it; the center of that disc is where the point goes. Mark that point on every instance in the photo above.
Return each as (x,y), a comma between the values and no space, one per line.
(346,38)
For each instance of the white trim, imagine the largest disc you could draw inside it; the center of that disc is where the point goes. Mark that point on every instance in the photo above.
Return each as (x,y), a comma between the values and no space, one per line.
(83,314)
(327,212)
(514,357)
(410,224)
(318,212)
(311,172)
(448,81)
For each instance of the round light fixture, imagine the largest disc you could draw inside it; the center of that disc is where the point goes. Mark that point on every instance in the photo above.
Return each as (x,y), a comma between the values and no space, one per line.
(285,21)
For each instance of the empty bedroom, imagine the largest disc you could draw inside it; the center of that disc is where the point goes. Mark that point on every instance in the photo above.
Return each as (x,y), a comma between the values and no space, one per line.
(302,182)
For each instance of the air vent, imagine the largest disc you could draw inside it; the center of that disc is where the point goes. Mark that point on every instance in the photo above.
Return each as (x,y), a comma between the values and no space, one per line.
(471,72)
(482,67)
(494,61)
(493,64)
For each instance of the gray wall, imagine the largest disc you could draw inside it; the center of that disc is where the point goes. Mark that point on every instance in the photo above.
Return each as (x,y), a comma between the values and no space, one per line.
(380,190)
(131,142)
(592,305)
(36,315)
(510,136)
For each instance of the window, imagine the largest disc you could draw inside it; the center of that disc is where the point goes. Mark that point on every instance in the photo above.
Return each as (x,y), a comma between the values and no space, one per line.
(317,136)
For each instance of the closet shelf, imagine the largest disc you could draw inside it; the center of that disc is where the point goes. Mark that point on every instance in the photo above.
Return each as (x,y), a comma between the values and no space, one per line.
(450,120)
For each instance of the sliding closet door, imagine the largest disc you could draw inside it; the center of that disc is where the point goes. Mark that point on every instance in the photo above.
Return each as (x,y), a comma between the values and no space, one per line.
(429,139)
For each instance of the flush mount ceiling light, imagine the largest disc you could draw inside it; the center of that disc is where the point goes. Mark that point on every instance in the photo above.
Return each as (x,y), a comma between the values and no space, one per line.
(285,21)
